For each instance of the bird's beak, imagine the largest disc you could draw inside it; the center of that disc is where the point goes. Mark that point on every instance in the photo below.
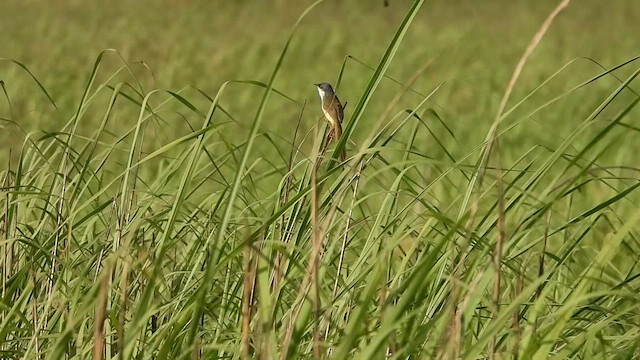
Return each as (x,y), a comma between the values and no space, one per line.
(316,85)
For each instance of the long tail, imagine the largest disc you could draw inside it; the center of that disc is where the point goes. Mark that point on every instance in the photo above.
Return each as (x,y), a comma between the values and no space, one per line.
(337,133)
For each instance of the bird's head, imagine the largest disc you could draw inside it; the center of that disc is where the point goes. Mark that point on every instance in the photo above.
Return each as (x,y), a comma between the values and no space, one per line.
(324,89)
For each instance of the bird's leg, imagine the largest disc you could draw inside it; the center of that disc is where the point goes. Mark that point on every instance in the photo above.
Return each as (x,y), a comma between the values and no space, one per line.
(330,135)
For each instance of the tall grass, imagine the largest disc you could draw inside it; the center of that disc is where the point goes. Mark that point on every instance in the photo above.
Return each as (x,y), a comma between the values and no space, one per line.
(151,237)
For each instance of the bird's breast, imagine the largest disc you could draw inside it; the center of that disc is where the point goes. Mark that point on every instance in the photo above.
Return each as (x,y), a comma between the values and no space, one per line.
(329,116)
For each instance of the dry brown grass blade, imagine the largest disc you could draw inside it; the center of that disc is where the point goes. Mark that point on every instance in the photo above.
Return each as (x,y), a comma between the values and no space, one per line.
(515,327)
(101,315)
(538,292)
(277,265)
(196,354)
(451,338)
(310,281)
(124,284)
(316,244)
(494,143)
(343,247)
(7,253)
(497,251)
(247,300)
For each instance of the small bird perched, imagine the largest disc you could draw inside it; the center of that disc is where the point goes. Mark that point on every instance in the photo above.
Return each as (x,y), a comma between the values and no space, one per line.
(333,112)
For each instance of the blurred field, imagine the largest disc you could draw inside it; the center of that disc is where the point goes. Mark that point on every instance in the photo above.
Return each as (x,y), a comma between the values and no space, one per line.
(166,240)
(474,48)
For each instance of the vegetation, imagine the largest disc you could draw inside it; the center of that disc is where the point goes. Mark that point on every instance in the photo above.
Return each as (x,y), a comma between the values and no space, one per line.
(170,200)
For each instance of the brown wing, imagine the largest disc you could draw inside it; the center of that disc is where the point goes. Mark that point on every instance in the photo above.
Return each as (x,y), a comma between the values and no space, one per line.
(340,109)
(338,127)
(333,110)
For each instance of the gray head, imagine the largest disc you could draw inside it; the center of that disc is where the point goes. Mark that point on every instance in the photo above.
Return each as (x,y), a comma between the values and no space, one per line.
(324,89)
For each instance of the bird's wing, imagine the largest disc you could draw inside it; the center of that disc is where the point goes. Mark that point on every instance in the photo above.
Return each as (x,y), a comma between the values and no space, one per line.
(337,132)
(333,113)
(340,110)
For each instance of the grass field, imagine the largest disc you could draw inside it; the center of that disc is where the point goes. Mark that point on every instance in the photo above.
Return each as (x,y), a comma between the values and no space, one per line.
(163,195)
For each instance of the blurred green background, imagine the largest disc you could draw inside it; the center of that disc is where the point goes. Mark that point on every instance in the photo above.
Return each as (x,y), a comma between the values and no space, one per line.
(469,49)
(472,46)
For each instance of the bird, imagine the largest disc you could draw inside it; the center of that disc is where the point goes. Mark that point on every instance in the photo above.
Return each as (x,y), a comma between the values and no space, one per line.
(333,112)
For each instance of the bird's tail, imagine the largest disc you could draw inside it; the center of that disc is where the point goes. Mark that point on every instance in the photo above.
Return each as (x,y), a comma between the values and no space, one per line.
(337,129)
